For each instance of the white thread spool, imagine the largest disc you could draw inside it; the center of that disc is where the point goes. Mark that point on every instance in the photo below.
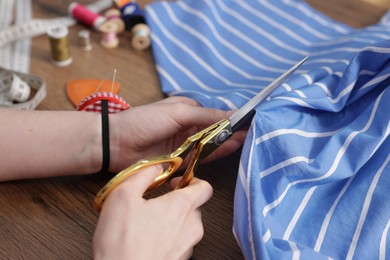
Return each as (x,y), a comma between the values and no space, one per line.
(140,39)
(85,40)
(19,90)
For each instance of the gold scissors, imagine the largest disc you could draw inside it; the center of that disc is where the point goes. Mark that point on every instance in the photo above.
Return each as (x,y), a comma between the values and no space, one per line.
(202,143)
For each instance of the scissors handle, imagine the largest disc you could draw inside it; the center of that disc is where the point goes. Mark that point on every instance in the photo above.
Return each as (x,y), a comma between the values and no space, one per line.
(174,160)
(174,163)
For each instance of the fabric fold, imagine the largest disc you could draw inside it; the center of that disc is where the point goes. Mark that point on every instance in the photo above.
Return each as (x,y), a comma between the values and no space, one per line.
(314,171)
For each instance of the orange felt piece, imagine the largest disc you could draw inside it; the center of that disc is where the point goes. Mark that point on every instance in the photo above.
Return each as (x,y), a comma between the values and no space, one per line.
(79,89)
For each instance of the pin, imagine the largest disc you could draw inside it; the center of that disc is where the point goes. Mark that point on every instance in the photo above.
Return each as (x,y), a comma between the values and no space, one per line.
(77,90)
(59,43)
(92,103)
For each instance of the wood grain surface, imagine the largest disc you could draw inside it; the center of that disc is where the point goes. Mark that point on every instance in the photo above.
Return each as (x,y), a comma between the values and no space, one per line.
(53,218)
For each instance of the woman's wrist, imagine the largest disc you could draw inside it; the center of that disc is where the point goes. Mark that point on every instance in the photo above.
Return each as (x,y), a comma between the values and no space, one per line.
(115,142)
(93,145)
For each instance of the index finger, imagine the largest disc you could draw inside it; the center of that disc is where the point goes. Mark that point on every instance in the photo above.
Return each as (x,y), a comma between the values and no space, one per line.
(198,191)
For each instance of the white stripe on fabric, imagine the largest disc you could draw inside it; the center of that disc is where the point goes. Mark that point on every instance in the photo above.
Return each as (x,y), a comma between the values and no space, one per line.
(366,205)
(314,16)
(260,31)
(333,168)
(299,132)
(294,20)
(382,250)
(298,213)
(210,45)
(181,67)
(267,236)
(256,45)
(295,250)
(328,217)
(272,22)
(162,72)
(284,164)
(204,64)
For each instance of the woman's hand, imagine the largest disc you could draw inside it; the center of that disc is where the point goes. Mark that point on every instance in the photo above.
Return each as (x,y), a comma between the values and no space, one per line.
(160,128)
(166,227)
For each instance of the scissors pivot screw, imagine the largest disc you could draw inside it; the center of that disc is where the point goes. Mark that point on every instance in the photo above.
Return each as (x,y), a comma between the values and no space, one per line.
(222,137)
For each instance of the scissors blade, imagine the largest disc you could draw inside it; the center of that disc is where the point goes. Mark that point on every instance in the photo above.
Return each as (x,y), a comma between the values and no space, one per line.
(246,112)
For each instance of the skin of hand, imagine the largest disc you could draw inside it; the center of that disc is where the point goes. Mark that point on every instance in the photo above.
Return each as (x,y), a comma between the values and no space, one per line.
(57,143)
(160,128)
(166,227)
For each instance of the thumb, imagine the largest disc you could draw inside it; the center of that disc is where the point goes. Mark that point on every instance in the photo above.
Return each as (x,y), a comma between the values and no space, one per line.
(142,179)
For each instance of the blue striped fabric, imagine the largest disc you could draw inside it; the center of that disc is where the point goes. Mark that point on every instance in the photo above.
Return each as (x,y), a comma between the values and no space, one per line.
(314,174)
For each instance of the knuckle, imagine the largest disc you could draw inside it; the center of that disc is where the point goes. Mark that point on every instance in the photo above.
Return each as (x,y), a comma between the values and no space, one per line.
(206,188)
(122,193)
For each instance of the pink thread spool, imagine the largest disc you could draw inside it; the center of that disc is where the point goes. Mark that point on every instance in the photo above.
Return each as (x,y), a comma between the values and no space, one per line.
(109,40)
(85,16)
(110,28)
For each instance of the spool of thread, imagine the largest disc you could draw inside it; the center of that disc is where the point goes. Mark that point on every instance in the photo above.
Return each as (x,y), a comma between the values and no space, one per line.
(113,14)
(140,37)
(59,44)
(109,40)
(85,40)
(85,16)
(19,90)
(110,28)
(109,37)
(132,15)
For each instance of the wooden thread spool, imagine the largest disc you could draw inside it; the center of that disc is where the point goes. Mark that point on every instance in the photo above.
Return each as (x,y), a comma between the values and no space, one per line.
(109,38)
(85,40)
(111,28)
(140,37)
(59,43)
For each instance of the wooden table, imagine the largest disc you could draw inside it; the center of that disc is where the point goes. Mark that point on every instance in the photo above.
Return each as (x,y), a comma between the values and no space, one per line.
(54,218)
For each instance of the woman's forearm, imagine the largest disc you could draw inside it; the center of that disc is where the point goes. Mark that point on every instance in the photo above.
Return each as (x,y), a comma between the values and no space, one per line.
(48,143)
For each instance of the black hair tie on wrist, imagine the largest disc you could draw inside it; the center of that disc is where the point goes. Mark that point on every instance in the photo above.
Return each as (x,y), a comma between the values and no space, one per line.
(105,136)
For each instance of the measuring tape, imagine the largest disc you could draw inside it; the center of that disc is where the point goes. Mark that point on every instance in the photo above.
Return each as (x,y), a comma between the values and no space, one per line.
(15,43)
(36,83)
(35,27)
